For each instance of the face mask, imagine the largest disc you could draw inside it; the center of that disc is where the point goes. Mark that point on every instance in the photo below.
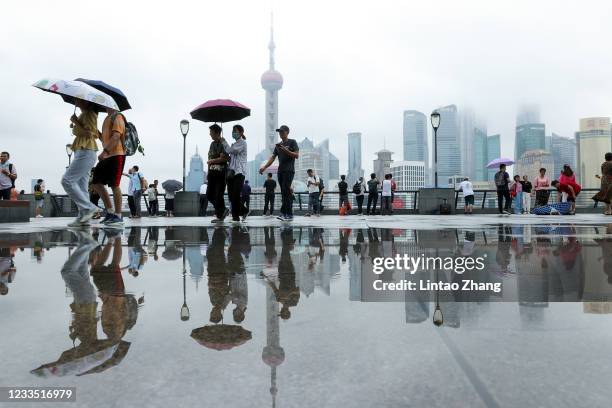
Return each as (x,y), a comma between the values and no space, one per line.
(236,135)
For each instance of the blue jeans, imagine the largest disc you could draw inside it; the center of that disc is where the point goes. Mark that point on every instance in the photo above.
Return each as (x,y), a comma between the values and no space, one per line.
(518,203)
(313,202)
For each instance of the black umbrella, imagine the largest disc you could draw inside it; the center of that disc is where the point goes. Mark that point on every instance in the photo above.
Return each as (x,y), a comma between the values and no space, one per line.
(220,110)
(110,90)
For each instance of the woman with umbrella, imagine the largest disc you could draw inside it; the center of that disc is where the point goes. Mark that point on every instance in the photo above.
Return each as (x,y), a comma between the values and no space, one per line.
(236,171)
(76,179)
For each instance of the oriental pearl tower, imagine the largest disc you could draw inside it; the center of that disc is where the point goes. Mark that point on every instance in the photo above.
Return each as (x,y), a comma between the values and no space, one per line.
(271,82)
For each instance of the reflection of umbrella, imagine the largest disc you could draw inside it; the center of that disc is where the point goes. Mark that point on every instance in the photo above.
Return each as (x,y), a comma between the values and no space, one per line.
(71,90)
(75,362)
(502,160)
(172,253)
(172,185)
(221,336)
(115,93)
(220,110)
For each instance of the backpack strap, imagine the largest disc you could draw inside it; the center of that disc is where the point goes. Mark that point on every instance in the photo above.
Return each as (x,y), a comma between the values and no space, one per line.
(122,138)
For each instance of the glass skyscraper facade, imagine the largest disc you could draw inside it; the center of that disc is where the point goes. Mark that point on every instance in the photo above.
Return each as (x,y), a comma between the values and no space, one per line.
(449,153)
(354,158)
(480,155)
(493,152)
(415,142)
(530,136)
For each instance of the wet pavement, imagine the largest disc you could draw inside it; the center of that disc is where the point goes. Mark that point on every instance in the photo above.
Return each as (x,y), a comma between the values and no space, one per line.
(177,315)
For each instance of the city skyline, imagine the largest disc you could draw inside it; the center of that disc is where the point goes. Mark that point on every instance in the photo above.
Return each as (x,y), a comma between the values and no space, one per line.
(185,65)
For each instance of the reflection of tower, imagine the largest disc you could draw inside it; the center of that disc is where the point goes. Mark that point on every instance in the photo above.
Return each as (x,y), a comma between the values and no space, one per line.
(272,82)
(273,354)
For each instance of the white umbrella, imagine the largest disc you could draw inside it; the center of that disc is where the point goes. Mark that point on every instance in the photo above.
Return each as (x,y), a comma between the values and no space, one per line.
(71,90)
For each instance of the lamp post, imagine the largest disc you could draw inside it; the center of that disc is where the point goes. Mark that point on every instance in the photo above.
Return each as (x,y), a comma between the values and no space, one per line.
(184,308)
(184,131)
(69,153)
(435,123)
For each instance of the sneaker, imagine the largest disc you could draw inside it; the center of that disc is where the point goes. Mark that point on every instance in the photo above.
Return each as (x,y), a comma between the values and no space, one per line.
(106,218)
(86,216)
(114,221)
(39,216)
(289,218)
(507,213)
(282,217)
(307,215)
(216,220)
(77,223)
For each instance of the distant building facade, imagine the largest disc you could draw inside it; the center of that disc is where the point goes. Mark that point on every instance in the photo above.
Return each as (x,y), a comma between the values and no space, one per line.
(532,161)
(563,150)
(408,175)
(493,152)
(449,153)
(529,136)
(415,141)
(382,163)
(355,170)
(593,140)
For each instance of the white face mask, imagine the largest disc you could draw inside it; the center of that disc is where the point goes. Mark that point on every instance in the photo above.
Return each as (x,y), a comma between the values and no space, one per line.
(236,135)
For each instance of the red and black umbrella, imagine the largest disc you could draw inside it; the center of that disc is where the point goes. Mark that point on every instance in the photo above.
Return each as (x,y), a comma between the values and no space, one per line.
(221,111)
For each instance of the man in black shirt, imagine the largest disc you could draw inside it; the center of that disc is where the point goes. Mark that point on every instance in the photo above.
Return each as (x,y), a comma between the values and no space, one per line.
(217,163)
(270,186)
(286,151)
(343,191)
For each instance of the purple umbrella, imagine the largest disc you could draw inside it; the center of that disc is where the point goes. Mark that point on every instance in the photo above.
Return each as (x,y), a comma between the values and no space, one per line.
(502,160)
(220,110)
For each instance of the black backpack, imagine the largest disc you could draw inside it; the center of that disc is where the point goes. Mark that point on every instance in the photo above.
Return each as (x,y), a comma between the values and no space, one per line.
(131,142)
(12,179)
(357,188)
(321,186)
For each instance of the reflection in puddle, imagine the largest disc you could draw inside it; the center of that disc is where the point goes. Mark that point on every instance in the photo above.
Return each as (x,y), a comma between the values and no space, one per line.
(239,285)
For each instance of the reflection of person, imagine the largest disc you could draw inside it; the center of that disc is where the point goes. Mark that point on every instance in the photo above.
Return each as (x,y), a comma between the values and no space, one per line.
(606,252)
(237,271)
(7,270)
(287,293)
(218,276)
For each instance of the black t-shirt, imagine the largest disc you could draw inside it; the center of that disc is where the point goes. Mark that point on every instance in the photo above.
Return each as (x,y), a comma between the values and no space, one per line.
(286,163)
(270,186)
(526,186)
(343,188)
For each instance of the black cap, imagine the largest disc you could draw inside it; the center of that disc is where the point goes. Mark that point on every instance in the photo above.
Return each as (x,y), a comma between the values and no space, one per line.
(284,128)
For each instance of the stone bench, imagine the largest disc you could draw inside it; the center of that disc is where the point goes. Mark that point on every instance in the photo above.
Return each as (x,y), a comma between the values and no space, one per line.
(14,211)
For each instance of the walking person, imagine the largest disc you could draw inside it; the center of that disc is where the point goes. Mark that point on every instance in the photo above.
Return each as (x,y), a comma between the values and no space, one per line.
(153,203)
(373,184)
(385,206)
(203,199)
(8,174)
(245,198)
(312,183)
(502,180)
(39,197)
(270,186)
(516,192)
(217,168)
(343,192)
(467,189)
(76,178)
(542,188)
(109,169)
(236,171)
(286,151)
(527,191)
(169,202)
(605,190)
(359,190)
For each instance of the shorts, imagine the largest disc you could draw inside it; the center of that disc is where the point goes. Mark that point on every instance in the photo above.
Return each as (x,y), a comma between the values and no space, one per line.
(469,199)
(39,203)
(108,171)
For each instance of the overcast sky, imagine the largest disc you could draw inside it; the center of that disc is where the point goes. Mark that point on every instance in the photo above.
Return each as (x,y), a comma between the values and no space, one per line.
(348,66)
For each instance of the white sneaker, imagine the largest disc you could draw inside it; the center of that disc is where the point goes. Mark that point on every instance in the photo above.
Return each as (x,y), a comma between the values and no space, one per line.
(86,216)
(39,216)
(77,223)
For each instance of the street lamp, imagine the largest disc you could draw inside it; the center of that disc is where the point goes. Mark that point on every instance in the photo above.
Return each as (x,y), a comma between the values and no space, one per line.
(69,153)
(184,308)
(184,131)
(435,123)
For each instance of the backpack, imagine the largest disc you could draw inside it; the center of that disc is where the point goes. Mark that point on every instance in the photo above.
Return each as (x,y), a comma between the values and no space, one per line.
(321,186)
(372,187)
(12,179)
(131,142)
(357,188)
(500,179)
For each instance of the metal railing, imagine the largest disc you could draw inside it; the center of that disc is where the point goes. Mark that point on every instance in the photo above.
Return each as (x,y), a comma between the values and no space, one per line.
(402,200)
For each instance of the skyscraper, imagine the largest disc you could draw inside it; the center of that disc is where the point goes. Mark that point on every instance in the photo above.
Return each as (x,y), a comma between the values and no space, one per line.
(415,139)
(493,152)
(354,158)
(592,142)
(563,150)
(528,113)
(480,155)
(197,175)
(529,136)
(449,155)
(272,82)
